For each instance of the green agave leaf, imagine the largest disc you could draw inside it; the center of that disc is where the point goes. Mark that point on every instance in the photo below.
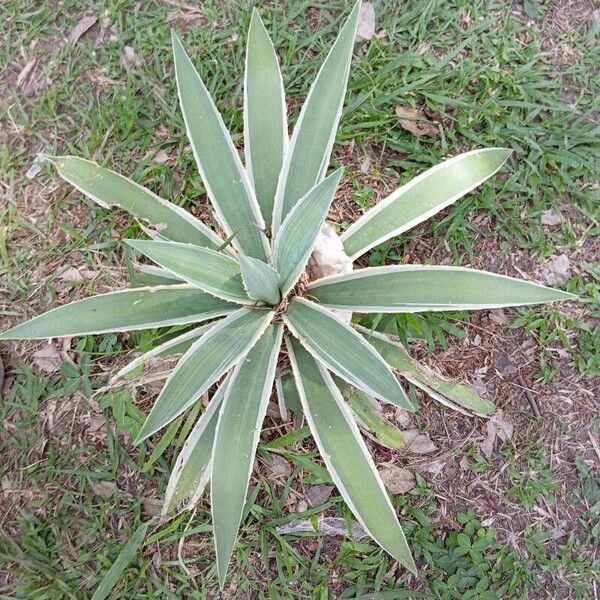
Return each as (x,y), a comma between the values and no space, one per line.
(287,396)
(220,348)
(417,288)
(192,469)
(126,556)
(176,345)
(261,281)
(236,439)
(448,393)
(226,180)
(370,416)
(211,271)
(421,198)
(265,117)
(343,351)
(296,238)
(125,310)
(147,275)
(306,160)
(346,455)
(109,189)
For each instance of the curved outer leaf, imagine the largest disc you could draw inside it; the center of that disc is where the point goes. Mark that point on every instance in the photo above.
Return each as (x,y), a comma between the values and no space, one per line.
(226,180)
(418,288)
(421,198)
(450,394)
(236,439)
(211,271)
(296,237)
(369,415)
(175,345)
(261,281)
(192,468)
(125,310)
(306,160)
(346,455)
(220,348)
(265,116)
(144,275)
(344,351)
(108,189)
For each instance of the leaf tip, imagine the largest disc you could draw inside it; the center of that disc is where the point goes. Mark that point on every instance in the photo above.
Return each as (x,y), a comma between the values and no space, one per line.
(142,436)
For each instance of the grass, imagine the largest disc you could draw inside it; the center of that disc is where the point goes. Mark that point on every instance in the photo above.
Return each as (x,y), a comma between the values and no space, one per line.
(74,488)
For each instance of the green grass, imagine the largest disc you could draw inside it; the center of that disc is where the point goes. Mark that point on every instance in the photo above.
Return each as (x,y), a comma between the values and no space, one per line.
(489,84)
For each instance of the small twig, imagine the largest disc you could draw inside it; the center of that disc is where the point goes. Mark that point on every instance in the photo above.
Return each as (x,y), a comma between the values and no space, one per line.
(530,398)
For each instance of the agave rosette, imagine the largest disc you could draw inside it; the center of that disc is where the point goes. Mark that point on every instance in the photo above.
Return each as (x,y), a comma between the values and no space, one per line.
(243,290)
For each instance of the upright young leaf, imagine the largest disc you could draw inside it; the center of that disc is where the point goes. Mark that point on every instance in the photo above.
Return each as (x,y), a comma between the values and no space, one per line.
(220,348)
(125,310)
(212,271)
(192,468)
(417,288)
(306,160)
(296,238)
(236,439)
(265,118)
(260,280)
(346,455)
(108,189)
(449,393)
(344,351)
(146,275)
(421,198)
(226,180)
(287,396)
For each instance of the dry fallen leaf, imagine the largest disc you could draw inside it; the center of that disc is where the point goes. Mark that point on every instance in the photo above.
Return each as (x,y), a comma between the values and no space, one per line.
(280,468)
(106,489)
(366,23)
(499,426)
(317,494)
(36,166)
(403,418)
(435,467)
(556,269)
(82,26)
(161,157)
(397,479)
(464,464)
(551,217)
(418,443)
(413,120)
(78,274)
(130,59)
(25,71)
(152,506)
(48,359)
(326,526)
(503,364)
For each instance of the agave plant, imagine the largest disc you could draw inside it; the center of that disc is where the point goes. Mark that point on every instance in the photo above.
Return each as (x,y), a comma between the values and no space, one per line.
(247,284)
